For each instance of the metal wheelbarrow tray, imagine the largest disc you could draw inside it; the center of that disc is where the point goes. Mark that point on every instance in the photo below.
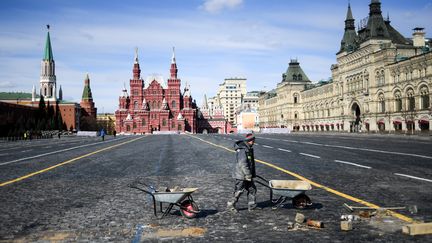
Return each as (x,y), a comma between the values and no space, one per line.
(287,189)
(180,197)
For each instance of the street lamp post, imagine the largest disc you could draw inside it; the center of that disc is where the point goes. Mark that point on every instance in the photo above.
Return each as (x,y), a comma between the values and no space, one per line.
(412,116)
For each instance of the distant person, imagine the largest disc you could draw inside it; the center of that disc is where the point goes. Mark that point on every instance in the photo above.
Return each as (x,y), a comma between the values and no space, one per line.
(25,135)
(114,133)
(244,173)
(102,134)
(59,135)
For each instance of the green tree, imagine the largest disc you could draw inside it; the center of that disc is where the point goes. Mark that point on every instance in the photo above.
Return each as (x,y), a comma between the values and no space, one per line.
(58,119)
(41,108)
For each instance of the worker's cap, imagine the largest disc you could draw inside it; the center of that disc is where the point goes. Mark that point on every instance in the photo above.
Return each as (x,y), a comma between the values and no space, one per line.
(250,137)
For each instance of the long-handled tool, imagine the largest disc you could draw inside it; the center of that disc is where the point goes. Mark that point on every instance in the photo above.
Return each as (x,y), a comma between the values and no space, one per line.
(352,208)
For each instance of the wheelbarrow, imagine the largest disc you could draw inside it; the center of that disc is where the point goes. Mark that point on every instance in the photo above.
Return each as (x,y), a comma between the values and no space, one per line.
(180,197)
(282,190)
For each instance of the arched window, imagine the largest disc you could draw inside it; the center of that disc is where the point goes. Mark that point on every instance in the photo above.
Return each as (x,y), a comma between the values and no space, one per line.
(296,98)
(134,125)
(398,101)
(425,101)
(154,105)
(381,102)
(159,105)
(143,122)
(299,77)
(411,100)
(173,104)
(164,122)
(136,105)
(127,128)
(294,77)
(179,127)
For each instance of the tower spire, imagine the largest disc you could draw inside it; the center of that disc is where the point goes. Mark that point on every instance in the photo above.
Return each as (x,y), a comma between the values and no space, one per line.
(34,93)
(173,60)
(47,81)
(87,104)
(136,55)
(87,94)
(350,35)
(173,69)
(48,55)
(205,103)
(60,93)
(136,69)
(349,13)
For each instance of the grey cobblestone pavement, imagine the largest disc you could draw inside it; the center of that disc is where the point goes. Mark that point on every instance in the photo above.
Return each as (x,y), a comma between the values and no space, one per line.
(88,200)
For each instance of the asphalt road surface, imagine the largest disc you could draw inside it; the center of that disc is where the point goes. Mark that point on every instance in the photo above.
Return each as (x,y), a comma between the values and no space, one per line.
(75,189)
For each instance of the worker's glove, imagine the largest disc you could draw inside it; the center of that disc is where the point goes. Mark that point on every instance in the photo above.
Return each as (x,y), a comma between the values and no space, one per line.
(248,178)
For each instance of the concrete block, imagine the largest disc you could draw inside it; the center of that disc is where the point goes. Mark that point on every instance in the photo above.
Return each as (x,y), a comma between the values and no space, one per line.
(346,225)
(417,229)
(299,218)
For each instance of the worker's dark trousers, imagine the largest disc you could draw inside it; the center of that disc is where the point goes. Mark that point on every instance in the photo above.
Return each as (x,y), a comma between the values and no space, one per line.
(242,186)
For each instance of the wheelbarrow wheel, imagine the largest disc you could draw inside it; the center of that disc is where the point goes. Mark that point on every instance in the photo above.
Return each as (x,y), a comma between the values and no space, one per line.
(301,201)
(188,209)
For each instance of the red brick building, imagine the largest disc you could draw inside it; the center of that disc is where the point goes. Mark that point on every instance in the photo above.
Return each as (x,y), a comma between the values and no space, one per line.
(154,105)
(71,112)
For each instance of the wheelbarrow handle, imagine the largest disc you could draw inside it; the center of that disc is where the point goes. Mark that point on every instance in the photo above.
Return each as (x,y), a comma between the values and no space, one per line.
(139,188)
(150,193)
(137,182)
(262,178)
(263,181)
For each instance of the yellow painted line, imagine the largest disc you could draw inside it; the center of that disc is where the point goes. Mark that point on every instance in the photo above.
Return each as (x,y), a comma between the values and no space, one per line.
(64,163)
(338,193)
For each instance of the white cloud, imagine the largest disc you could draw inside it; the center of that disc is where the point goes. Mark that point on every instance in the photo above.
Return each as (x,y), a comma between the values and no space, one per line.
(216,6)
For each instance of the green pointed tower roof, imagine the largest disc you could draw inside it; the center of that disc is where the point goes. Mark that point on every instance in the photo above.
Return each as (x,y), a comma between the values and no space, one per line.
(348,42)
(294,73)
(87,94)
(48,55)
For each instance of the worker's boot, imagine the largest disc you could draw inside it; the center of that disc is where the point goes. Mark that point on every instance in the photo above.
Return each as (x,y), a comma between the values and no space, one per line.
(253,206)
(231,207)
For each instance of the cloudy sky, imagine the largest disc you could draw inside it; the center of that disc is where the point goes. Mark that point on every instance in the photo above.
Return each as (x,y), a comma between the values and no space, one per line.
(214,40)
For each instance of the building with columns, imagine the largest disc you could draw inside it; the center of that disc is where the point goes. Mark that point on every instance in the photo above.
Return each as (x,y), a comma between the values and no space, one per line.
(281,107)
(154,105)
(381,82)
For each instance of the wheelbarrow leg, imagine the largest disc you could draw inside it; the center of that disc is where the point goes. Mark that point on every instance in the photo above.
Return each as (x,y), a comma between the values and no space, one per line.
(167,211)
(154,205)
(278,202)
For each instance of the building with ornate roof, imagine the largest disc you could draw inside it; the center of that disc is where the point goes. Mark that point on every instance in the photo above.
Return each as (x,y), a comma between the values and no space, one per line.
(70,111)
(211,119)
(87,105)
(281,107)
(380,83)
(154,105)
